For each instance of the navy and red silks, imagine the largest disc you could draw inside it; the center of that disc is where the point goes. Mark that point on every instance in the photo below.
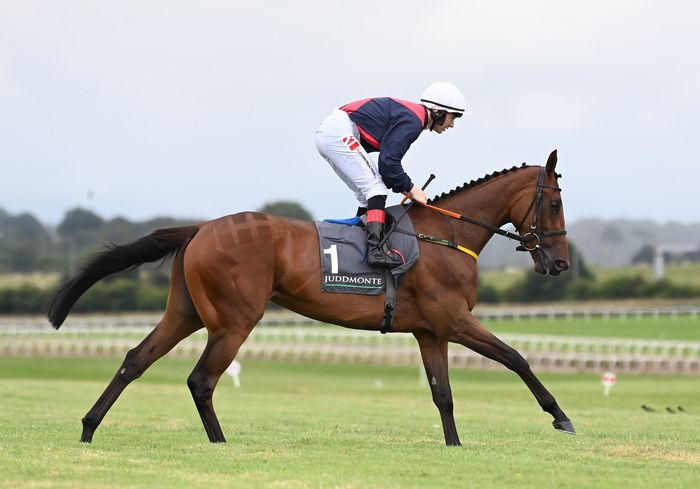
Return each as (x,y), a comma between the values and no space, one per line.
(390,126)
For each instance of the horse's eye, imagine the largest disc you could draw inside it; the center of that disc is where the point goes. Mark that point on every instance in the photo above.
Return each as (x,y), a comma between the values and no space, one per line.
(555,205)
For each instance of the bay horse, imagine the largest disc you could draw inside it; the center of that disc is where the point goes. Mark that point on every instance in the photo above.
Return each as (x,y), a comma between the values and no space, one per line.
(226,270)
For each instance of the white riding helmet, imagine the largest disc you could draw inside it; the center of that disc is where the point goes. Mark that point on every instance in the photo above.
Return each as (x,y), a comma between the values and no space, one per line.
(444,96)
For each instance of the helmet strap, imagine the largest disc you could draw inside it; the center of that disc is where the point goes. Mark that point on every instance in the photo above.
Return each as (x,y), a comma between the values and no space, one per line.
(438,117)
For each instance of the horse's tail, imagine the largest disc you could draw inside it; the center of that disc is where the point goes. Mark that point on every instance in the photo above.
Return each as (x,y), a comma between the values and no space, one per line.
(116,258)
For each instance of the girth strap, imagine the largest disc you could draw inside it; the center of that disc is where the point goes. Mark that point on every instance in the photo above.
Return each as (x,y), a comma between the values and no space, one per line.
(389,302)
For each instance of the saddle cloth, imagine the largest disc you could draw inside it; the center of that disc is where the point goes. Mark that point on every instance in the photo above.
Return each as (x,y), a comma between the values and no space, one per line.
(344,267)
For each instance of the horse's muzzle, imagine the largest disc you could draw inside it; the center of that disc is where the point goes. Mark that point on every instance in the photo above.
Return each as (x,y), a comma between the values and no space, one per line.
(553,267)
(559,266)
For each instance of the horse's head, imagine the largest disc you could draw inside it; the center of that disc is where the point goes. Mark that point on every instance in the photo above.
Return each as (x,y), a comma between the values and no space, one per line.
(538,216)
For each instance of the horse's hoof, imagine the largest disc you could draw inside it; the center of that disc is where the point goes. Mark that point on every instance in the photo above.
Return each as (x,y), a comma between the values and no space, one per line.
(564,426)
(86,436)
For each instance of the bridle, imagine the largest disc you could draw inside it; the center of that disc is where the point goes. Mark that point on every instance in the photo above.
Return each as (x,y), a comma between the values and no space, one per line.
(537,205)
(532,235)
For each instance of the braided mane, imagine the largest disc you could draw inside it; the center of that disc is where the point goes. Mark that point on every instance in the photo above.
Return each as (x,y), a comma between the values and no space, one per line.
(474,183)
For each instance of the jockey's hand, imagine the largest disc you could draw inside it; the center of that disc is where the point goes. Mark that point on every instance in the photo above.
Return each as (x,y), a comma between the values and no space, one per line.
(417,195)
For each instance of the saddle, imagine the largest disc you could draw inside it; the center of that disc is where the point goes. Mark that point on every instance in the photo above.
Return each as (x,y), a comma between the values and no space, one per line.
(344,269)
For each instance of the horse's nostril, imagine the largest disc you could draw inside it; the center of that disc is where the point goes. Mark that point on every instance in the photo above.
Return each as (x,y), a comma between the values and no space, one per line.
(561,265)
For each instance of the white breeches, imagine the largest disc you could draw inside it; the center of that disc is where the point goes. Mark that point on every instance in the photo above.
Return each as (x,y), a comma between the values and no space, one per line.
(338,141)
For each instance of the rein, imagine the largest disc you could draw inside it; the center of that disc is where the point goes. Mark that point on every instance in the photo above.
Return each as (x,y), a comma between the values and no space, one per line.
(536,204)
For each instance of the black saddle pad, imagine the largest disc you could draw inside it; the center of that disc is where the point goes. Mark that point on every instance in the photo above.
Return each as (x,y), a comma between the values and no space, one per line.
(344,267)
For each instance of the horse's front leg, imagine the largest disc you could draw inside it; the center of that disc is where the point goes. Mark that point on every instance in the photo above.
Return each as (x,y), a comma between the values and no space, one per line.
(472,334)
(434,354)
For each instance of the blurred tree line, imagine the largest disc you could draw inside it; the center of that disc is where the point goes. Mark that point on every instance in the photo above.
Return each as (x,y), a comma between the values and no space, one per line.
(26,245)
(647,254)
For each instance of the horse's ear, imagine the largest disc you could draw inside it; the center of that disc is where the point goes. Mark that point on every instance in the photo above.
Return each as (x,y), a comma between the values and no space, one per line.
(552,162)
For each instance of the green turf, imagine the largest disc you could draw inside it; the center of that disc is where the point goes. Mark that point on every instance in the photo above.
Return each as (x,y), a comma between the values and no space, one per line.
(682,327)
(331,426)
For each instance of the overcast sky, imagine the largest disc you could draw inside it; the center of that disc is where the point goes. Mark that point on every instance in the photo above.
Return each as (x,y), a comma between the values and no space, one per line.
(205,108)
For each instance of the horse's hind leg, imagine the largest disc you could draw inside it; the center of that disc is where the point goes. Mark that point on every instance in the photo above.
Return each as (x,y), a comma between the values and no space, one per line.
(179,321)
(220,351)
(474,336)
(434,354)
(169,332)
(229,325)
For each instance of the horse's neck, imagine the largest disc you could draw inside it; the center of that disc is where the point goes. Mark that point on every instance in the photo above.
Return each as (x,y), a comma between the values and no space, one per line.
(490,203)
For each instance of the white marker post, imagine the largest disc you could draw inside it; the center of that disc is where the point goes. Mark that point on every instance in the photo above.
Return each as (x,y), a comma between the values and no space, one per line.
(234,370)
(608,380)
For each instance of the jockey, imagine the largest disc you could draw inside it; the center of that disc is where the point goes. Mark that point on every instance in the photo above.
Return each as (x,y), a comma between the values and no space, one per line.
(390,126)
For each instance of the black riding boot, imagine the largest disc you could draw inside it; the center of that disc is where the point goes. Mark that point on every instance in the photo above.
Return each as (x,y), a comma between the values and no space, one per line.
(378,257)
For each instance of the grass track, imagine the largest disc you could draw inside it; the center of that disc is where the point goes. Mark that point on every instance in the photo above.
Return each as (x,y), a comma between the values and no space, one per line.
(328,426)
(683,327)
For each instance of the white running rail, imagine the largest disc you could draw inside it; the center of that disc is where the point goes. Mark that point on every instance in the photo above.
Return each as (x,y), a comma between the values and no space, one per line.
(319,343)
